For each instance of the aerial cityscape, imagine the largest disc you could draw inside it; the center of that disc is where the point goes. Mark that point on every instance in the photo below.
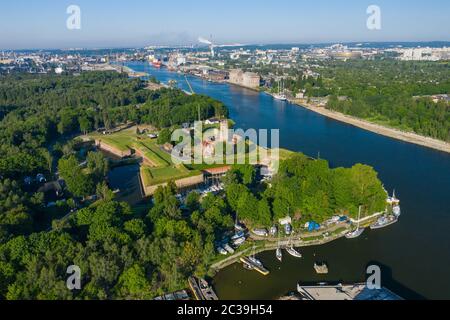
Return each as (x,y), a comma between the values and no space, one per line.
(185,158)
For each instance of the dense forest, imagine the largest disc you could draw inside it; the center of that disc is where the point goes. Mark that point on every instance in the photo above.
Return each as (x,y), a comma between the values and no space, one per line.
(392,93)
(41,113)
(306,190)
(388,92)
(125,253)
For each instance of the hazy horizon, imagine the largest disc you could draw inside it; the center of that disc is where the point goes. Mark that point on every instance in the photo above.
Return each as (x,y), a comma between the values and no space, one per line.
(139,23)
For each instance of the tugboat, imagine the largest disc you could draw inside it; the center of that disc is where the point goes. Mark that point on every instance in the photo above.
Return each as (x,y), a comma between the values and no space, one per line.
(359,231)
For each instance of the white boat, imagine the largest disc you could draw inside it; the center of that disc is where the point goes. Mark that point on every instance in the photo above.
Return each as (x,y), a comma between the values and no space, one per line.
(293,252)
(222,251)
(384,221)
(397,211)
(273,231)
(359,231)
(228,248)
(279,254)
(280,95)
(256,261)
(237,235)
(354,234)
(261,232)
(238,241)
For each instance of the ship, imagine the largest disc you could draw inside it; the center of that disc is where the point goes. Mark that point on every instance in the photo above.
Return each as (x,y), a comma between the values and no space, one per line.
(384,221)
(280,95)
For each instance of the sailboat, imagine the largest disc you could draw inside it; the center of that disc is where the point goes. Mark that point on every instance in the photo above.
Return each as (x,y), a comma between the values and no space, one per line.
(255,260)
(279,252)
(292,251)
(280,95)
(359,231)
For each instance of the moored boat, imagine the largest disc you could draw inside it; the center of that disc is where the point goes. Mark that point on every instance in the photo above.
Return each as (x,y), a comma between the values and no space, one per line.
(239,241)
(222,251)
(261,232)
(237,235)
(384,221)
(228,248)
(293,252)
(397,211)
(279,254)
(359,231)
(354,234)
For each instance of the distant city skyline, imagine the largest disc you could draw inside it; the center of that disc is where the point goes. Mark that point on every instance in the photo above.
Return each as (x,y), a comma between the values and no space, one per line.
(139,23)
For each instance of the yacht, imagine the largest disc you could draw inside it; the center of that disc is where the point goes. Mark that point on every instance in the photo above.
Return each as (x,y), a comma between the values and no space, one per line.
(359,231)
(279,254)
(293,252)
(238,242)
(261,232)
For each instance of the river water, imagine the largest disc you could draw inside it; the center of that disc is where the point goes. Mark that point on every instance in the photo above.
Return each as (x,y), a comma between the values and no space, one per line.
(414,254)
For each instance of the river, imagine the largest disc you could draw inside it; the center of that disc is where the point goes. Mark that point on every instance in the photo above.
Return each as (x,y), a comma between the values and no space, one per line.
(414,254)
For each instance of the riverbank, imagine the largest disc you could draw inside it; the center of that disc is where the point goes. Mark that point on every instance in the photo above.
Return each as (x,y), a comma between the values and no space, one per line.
(273,245)
(376,128)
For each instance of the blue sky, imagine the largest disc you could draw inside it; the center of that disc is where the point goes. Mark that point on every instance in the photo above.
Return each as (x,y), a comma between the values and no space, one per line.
(115,23)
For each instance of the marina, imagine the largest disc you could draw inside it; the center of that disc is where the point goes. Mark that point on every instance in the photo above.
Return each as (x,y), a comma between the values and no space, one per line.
(423,192)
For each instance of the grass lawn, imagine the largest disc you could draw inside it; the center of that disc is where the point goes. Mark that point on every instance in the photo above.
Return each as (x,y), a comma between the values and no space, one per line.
(154,176)
(122,140)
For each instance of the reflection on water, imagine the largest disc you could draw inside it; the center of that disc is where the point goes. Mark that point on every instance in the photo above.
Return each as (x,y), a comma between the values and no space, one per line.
(414,253)
(126,179)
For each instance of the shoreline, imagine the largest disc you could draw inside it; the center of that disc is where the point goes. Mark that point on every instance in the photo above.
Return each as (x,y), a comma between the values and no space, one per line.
(409,137)
(397,134)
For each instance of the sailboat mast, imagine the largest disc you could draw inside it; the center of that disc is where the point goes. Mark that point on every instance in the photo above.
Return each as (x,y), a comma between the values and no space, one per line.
(359,216)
